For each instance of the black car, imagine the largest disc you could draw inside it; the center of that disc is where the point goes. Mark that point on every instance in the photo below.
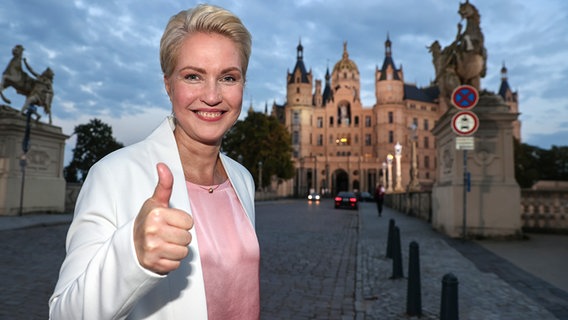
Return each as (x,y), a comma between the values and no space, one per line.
(345,199)
(366,197)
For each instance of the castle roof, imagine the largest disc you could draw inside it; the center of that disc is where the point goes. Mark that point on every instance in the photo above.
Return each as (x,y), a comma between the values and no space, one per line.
(345,62)
(427,94)
(388,62)
(300,66)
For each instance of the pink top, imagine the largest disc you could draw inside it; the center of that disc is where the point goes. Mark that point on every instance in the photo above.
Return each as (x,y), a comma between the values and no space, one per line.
(229,250)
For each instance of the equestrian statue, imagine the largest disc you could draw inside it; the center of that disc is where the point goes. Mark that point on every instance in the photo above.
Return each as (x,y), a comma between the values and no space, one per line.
(464,60)
(38,88)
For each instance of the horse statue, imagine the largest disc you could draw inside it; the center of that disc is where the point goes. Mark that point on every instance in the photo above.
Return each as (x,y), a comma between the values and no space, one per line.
(464,60)
(447,78)
(38,90)
(470,51)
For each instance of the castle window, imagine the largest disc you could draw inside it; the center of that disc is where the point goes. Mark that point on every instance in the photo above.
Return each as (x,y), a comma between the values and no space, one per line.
(297,90)
(426,125)
(320,122)
(391,117)
(295,138)
(426,162)
(426,142)
(356,122)
(368,121)
(295,117)
(368,140)
(391,136)
(331,121)
(320,140)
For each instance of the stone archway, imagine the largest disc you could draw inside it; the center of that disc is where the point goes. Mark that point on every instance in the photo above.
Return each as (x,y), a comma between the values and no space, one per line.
(340,181)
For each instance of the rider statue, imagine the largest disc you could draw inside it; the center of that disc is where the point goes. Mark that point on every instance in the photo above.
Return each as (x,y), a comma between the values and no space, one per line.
(38,91)
(464,60)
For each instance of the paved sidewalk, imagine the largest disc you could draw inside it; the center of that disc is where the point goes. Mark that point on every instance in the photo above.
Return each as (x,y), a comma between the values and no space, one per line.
(490,287)
(33,220)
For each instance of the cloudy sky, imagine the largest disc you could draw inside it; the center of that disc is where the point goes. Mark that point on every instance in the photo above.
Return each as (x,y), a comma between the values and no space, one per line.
(105,53)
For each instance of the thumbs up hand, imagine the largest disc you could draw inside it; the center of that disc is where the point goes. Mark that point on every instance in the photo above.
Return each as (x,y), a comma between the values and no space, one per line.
(161,233)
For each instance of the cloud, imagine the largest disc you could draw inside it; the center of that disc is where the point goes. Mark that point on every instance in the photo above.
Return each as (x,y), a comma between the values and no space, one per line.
(105,54)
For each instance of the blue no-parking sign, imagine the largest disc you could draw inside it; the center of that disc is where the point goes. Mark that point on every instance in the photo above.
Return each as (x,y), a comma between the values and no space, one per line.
(465,97)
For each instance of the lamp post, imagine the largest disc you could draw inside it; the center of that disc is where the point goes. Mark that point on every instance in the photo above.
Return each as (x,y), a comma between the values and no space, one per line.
(389,171)
(414,184)
(384,174)
(397,155)
(260,175)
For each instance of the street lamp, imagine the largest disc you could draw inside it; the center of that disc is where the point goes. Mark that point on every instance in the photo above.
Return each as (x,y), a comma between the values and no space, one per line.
(414,184)
(389,170)
(260,175)
(397,155)
(384,174)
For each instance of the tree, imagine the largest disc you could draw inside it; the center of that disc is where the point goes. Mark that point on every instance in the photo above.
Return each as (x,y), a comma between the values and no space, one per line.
(94,141)
(533,163)
(526,164)
(261,138)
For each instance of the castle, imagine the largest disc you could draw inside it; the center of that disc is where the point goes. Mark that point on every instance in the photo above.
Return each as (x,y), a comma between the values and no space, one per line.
(339,144)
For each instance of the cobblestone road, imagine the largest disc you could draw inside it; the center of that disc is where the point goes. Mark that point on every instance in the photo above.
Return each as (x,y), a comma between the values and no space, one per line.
(307,261)
(319,263)
(29,266)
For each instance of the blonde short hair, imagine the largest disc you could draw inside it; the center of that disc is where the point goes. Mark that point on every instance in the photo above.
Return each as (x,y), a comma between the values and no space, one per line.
(202,18)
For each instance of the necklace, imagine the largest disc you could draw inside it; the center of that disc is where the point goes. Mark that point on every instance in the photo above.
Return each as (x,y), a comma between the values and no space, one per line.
(211,189)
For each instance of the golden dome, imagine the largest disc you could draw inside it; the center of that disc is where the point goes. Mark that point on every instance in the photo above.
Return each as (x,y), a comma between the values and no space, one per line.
(345,63)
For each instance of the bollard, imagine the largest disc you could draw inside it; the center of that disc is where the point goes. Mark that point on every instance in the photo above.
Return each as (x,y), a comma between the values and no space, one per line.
(449,306)
(389,239)
(397,256)
(413,290)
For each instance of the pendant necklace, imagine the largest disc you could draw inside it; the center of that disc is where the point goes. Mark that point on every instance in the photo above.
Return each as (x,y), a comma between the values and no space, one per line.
(211,189)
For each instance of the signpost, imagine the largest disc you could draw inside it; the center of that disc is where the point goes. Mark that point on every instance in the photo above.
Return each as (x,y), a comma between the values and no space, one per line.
(465,123)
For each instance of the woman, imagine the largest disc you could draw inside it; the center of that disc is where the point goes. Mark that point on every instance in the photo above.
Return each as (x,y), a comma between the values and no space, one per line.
(164,229)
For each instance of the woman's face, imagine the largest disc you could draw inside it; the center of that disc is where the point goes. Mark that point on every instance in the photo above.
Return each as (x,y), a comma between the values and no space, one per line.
(206,87)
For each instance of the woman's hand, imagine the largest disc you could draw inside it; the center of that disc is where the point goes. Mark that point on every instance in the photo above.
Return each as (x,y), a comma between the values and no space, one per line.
(161,233)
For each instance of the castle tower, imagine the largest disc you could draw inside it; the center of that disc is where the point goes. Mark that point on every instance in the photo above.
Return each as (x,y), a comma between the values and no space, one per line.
(299,102)
(390,111)
(511,99)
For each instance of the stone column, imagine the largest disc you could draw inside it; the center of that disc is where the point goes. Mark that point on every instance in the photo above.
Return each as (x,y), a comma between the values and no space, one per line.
(44,185)
(493,204)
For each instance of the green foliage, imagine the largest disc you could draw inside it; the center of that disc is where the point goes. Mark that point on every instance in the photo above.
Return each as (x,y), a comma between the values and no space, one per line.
(94,141)
(261,138)
(533,163)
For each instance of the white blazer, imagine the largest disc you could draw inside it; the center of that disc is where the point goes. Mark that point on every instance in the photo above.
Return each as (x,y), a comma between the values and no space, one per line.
(100,277)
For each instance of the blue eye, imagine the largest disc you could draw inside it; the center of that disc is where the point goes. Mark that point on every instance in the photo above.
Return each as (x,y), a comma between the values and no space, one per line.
(191,76)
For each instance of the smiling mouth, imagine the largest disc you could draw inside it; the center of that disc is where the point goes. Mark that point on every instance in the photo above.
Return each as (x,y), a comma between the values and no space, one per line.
(209,114)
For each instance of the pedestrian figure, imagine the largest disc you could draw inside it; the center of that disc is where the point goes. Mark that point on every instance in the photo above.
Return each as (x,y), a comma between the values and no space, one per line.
(379,197)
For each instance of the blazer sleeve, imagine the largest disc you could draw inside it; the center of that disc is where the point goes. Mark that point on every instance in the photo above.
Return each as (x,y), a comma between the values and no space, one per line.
(100,277)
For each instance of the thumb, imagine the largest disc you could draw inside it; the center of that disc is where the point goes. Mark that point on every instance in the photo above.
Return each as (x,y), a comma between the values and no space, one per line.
(163,190)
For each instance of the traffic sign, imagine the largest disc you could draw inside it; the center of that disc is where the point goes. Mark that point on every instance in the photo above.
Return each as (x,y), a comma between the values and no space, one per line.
(465,143)
(465,123)
(465,97)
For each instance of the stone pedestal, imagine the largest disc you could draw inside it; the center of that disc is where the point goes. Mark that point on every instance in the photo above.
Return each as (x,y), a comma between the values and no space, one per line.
(493,203)
(44,185)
